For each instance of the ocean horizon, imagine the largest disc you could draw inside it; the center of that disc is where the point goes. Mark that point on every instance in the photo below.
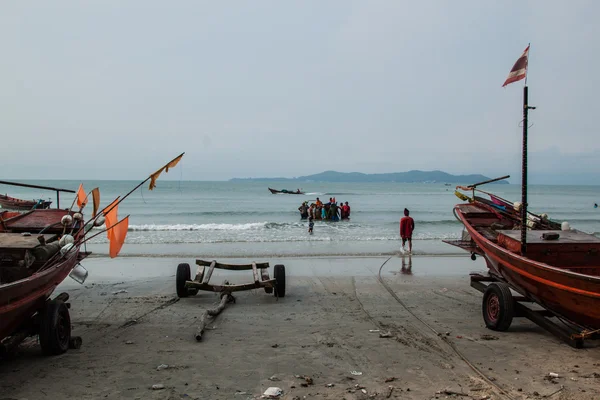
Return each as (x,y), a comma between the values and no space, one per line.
(243,219)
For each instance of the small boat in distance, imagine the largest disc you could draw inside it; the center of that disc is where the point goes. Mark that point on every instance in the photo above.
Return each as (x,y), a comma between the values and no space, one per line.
(285,191)
(18,204)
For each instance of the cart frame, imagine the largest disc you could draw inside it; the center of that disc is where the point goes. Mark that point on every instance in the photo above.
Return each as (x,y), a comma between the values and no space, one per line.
(572,334)
(187,286)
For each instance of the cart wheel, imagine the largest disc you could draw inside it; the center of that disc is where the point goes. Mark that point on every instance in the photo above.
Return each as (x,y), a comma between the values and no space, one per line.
(498,306)
(183,275)
(279,275)
(55,328)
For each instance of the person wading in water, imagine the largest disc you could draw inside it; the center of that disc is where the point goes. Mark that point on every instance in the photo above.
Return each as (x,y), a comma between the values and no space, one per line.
(407,226)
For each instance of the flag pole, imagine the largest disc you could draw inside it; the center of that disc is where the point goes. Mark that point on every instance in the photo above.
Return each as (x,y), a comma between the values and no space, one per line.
(526,109)
(140,184)
(524,176)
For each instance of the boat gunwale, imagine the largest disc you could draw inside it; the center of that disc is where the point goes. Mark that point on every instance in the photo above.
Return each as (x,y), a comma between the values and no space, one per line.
(538,264)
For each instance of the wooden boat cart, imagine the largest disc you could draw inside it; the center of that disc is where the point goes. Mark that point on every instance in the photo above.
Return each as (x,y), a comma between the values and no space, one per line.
(187,287)
(500,306)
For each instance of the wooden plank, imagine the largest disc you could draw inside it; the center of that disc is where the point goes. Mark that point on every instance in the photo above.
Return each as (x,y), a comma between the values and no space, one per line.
(229,288)
(264,274)
(234,267)
(535,236)
(18,241)
(255,272)
(209,273)
(199,273)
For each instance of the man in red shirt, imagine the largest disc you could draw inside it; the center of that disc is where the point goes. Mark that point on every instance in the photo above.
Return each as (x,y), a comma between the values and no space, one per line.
(407,225)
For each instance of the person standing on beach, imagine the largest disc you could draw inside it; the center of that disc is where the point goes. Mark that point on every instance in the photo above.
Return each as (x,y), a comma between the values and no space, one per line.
(407,226)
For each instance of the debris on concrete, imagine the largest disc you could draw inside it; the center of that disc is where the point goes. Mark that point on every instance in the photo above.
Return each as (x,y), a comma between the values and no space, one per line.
(272,393)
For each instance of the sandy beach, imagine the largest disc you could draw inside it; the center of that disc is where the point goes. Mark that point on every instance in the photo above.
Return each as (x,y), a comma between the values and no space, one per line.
(329,327)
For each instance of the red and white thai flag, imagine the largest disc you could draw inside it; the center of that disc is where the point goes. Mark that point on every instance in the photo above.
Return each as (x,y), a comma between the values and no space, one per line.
(519,70)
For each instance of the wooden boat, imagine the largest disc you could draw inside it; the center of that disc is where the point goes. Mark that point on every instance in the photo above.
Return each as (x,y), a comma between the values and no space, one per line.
(560,269)
(545,262)
(285,191)
(32,264)
(18,204)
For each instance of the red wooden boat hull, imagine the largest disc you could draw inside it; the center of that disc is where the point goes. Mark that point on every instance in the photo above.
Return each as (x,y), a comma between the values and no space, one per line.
(21,299)
(572,292)
(18,204)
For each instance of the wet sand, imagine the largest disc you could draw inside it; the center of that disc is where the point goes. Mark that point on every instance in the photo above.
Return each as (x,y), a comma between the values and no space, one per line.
(327,327)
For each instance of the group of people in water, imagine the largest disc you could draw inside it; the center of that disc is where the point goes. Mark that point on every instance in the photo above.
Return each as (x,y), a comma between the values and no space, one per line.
(330,211)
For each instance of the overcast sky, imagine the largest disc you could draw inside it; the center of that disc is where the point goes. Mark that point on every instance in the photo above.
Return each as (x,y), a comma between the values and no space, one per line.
(113,89)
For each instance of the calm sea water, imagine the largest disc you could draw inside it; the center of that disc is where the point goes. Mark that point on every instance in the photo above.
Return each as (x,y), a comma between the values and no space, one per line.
(245,219)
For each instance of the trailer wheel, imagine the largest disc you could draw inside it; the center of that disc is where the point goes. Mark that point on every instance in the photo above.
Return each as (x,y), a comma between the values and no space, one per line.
(184,274)
(279,275)
(55,328)
(498,306)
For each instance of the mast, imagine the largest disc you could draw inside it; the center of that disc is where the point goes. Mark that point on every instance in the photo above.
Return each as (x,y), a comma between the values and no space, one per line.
(524,176)
(526,108)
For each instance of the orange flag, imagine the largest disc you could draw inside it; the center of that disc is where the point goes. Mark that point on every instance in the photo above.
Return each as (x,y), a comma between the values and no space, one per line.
(96,198)
(155,175)
(81,197)
(110,214)
(119,232)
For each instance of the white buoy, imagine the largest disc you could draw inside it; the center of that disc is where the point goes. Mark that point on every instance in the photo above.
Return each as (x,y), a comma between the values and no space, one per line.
(78,216)
(517,205)
(66,220)
(565,226)
(65,249)
(66,240)
(99,221)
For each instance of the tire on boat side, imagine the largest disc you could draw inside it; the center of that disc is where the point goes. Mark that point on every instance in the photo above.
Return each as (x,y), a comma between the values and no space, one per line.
(279,275)
(55,328)
(184,274)
(498,306)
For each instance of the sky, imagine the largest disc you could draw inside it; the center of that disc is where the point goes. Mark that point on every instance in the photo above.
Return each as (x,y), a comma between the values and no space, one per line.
(112,89)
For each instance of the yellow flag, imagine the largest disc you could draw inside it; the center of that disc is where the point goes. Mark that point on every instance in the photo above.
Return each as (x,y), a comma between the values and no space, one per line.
(155,175)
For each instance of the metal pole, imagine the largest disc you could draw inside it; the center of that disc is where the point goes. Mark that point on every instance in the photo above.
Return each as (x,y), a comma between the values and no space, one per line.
(524,176)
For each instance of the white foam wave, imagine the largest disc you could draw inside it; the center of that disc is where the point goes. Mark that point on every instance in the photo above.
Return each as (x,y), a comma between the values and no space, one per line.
(199,227)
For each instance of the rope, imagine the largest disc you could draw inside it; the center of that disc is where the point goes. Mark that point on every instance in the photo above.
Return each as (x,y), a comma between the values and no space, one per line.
(443,338)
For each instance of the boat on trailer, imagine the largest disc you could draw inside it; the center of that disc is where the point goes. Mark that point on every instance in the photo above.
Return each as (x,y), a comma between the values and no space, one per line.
(33,262)
(543,261)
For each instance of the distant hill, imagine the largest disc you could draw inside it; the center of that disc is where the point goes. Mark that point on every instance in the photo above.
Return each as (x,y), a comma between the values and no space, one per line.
(401,177)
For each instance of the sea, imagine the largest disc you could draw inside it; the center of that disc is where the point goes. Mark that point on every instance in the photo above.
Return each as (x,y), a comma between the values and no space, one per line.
(243,219)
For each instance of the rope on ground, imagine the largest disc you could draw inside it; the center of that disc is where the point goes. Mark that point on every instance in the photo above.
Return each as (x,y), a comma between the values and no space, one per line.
(443,338)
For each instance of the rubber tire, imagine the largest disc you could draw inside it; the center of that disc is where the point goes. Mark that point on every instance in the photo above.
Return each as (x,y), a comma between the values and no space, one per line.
(55,328)
(279,275)
(500,292)
(184,274)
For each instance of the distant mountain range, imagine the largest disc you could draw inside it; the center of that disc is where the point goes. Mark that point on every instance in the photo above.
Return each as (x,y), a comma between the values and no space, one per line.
(401,177)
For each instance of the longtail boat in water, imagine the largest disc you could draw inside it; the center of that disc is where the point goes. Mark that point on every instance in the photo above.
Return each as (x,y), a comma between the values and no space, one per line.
(543,261)
(285,191)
